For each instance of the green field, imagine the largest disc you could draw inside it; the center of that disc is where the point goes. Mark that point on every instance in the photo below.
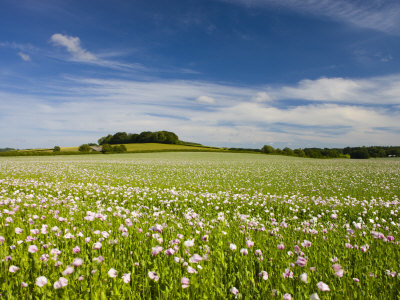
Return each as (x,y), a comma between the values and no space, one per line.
(139,147)
(197,225)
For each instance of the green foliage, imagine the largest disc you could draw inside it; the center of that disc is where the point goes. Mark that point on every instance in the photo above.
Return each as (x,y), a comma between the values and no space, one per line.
(268,149)
(107,148)
(359,154)
(164,137)
(119,149)
(6,149)
(56,149)
(354,152)
(84,148)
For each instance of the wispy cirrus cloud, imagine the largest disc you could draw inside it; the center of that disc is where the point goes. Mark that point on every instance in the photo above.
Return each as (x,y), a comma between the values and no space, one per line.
(73,46)
(371,14)
(79,54)
(24,56)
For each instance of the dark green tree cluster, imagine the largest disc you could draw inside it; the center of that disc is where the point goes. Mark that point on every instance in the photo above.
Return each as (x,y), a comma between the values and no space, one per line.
(107,148)
(84,148)
(352,152)
(7,149)
(164,137)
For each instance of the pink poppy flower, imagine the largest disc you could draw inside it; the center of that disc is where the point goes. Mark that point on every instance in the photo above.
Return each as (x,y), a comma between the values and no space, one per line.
(314,296)
(301,261)
(189,243)
(234,291)
(287,273)
(185,282)
(60,283)
(264,275)
(112,273)
(304,277)
(191,270)
(41,281)
(339,273)
(24,284)
(153,275)
(76,249)
(33,249)
(69,270)
(96,246)
(249,243)
(13,269)
(77,262)
(336,267)
(233,247)
(323,287)
(281,246)
(244,251)
(287,297)
(126,277)
(169,252)
(195,258)
(98,259)
(156,250)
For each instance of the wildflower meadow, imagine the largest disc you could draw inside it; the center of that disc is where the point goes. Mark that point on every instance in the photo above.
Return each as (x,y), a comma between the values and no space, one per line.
(199,226)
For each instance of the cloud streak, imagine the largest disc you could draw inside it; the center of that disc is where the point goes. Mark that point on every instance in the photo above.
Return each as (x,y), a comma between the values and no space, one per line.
(73,46)
(370,14)
(24,56)
(79,54)
(236,117)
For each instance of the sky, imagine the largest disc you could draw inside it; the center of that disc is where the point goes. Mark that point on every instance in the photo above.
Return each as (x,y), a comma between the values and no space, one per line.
(232,73)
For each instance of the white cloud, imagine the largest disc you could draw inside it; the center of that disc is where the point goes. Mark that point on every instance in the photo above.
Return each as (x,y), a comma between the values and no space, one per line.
(205,100)
(103,106)
(24,56)
(375,90)
(262,97)
(372,14)
(79,54)
(73,46)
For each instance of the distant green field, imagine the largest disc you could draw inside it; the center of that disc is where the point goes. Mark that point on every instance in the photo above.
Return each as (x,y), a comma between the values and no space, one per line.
(141,147)
(164,147)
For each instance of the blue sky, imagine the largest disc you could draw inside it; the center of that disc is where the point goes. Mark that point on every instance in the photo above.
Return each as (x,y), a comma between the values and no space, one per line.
(240,73)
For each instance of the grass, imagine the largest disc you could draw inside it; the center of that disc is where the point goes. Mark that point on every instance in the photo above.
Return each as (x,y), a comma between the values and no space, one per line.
(229,225)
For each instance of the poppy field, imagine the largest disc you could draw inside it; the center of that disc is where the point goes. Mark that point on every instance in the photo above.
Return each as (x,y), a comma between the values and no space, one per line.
(199,226)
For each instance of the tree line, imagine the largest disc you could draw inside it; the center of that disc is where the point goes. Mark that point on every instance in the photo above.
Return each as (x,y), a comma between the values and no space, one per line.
(163,137)
(352,152)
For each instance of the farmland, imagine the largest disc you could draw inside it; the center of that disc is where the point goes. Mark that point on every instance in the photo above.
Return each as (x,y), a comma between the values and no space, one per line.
(199,226)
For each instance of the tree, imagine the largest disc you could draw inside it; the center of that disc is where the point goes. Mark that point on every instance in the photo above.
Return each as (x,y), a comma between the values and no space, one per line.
(84,148)
(288,151)
(359,154)
(119,138)
(119,149)
(105,139)
(268,149)
(107,148)
(56,149)
(299,153)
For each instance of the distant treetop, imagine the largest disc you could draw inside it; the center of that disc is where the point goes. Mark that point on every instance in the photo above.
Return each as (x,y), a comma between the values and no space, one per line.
(164,137)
